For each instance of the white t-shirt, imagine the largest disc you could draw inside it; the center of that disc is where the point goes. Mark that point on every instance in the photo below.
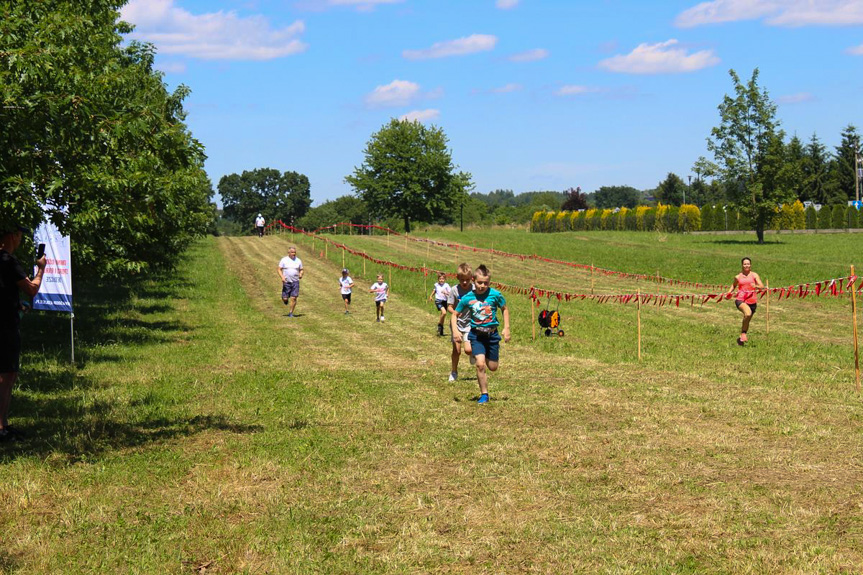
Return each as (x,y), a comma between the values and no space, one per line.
(380,290)
(455,295)
(346,282)
(441,292)
(291,268)
(259,222)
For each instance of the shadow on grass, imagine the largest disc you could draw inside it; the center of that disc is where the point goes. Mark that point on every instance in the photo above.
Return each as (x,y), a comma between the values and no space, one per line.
(746,242)
(55,398)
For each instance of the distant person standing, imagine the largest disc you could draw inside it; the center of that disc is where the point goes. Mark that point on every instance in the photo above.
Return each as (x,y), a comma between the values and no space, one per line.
(346,286)
(13,280)
(291,271)
(747,282)
(260,222)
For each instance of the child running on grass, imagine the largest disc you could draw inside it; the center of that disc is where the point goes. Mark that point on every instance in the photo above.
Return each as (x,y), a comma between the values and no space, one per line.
(382,292)
(346,284)
(440,292)
(459,323)
(483,341)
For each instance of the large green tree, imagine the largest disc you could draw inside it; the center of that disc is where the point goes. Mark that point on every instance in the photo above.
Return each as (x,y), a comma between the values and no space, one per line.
(408,173)
(92,139)
(818,185)
(617,197)
(843,169)
(671,190)
(278,196)
(745,145)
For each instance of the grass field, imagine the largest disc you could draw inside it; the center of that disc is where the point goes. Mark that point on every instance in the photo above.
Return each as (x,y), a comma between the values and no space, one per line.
(204,431)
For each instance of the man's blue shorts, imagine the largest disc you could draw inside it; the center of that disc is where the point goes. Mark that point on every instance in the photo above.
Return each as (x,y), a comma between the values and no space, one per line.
(487,344)
(290,289)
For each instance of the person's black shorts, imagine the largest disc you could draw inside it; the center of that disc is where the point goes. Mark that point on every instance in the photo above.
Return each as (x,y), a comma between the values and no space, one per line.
(346,297)
(10,350)
(440,304)
(752,306)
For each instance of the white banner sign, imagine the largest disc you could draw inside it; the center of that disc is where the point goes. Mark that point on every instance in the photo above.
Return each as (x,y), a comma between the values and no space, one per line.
(56,291)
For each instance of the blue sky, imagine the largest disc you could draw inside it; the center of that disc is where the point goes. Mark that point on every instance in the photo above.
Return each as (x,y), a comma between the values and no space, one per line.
(533,94)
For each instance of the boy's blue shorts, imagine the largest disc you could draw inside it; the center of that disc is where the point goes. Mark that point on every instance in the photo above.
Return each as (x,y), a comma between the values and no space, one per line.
(440,304)
(487,344)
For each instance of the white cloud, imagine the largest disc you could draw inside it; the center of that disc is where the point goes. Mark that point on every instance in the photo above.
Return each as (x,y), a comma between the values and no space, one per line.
(798,98)
(506,89)
(506,4)
(421,115)
(360,5)
(529,56)
(856,50)
(396,93)
(171,67)
(576,90)
(791,13)
(661,58)
(468,45)
(211,36)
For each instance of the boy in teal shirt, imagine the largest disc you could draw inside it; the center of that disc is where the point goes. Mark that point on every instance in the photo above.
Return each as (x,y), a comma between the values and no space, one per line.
(483,340)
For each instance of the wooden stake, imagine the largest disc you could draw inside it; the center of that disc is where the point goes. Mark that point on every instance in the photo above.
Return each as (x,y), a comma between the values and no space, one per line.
(591,278)
(767,306)
(425,280)
(343,257)
(532,318)
(856,349)
(364,267)
(326,249)
(638,305)
(390,283)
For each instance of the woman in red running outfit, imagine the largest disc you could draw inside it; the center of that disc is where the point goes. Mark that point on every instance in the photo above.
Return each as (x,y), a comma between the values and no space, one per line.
(746,283)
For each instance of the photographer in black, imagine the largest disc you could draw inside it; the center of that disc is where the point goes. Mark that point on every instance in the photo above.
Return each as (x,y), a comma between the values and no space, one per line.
(13,280)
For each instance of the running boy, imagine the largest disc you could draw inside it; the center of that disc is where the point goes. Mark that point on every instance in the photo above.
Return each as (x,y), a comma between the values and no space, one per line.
(382,292)
(346,284)
(483,341)
(440,292)
(459,323)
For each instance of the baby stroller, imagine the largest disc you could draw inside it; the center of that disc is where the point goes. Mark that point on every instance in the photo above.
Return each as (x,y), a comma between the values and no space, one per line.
(550,320)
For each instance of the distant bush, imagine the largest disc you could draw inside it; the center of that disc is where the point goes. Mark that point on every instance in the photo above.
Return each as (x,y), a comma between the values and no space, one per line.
(811,216)
(840,217)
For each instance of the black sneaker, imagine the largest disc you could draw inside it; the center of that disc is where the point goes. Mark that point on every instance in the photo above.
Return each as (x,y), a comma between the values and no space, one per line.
(439,329)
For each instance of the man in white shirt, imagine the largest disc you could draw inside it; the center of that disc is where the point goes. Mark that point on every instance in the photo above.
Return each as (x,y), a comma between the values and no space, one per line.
(291,272)
(259,225)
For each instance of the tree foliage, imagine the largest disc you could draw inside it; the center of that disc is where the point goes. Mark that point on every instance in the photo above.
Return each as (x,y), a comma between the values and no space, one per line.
(408,172)
(671,190)
(91,134)
(749,150)
(575,200)
(344,209)
(617,197)
(266,191)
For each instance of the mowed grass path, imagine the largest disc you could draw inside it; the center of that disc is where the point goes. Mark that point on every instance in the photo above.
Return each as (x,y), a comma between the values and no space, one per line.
(205,430)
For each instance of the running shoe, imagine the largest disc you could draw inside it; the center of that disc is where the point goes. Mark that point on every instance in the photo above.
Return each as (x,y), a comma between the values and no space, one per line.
(483,398)
(290,315)
(382,318)
(439,329)
(453,375)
